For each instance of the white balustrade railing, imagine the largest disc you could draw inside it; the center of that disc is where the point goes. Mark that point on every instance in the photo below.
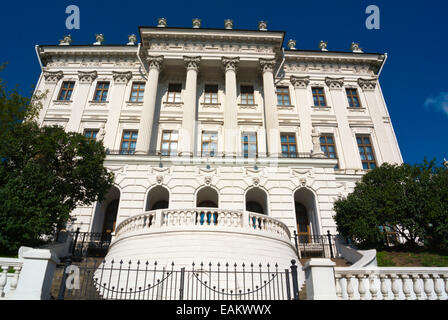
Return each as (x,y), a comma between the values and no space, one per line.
(9,276)
(203,217)
(395,283)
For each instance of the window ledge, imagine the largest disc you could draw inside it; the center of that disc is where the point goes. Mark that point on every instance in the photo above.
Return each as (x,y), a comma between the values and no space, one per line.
(325,108)
(173,104)
(354,109)
(286,107)
(62,102)
(247,106)
(134,103)
(98,102)
(210,105)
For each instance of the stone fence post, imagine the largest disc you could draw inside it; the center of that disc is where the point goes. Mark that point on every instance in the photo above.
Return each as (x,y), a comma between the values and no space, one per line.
(320,280)
(36,275)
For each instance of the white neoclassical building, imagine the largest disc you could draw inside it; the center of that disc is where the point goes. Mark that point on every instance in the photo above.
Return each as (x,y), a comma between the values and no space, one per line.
(223,143)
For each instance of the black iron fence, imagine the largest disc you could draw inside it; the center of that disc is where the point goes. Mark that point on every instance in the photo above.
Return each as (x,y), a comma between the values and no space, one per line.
(90,244)
(125,280)
(312,246)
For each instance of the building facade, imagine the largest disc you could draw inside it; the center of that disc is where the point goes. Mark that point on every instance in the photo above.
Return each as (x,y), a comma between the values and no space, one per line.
(223,143)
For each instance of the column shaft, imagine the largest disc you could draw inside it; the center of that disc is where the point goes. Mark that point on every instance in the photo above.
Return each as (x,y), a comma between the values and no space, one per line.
(230,107)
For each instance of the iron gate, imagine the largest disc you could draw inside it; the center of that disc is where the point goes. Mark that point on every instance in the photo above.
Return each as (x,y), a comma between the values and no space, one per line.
(125,280)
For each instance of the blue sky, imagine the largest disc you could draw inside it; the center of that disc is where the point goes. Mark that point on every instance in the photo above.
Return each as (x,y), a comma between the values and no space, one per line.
(413,33)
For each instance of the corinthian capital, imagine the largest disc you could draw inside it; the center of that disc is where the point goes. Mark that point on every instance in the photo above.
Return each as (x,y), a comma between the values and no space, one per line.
(267,65)
(192,63)
(87,77)
(230,63)
(300,82)
(334,83)
(53,77)
(122,77)
(367,84)
(154,62)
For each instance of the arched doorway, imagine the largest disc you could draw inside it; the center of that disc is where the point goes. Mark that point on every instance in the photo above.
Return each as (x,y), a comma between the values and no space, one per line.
(306,215)
(257,201)
(207,198)
(158,198)
(106,212)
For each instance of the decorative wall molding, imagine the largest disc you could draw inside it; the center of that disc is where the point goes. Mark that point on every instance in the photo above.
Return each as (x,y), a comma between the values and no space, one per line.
(334,83)
(53,77)
(300,82)
(230,63)
(367,84)
(192,63)
(267,65)
(154,62)
(122,77)
(87,77)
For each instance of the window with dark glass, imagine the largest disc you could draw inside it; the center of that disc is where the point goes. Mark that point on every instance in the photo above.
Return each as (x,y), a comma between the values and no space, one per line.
(353,98)
(174,91)
(328,146)
(249,141)
(102,88)
(137,91)
(289,146)
(128,142)
(247,95)
(366,151)
(211,93)
(209,143)
(169,143)
(66,90)
(283,96)
(90,134)
(319,97)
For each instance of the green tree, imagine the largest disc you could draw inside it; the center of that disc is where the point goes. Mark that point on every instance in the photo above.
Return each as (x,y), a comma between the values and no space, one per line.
(411,200)
(45,173)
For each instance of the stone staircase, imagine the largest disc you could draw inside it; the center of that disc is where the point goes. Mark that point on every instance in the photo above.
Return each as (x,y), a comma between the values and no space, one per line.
(87,290)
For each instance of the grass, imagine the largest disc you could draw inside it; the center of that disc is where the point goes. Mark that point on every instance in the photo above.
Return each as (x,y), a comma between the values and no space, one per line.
(411,259)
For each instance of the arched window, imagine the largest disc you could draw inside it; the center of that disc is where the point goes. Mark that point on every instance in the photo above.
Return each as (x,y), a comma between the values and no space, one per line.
(257,201)
(158,198)
(303,224)
(207,198)
(110,218)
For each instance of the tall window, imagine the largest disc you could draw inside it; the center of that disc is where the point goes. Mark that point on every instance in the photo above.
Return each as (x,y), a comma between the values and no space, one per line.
(319,97)
(328,147)
(174,90)
(283,96)
(209,143)
(289,147)
(366,151)
(353,98)
(128,142)
(90,134)
(102,88)
(249,141)
(211,93)
(66,90)
(247,95)
(169,143)
(138,89)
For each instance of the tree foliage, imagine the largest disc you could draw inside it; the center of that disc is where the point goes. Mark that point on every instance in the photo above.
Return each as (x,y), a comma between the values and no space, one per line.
(411,200)
(45,173)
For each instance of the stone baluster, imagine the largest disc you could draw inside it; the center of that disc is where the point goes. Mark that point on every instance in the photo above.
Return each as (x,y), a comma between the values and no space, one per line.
(427,286)
(15,279)
(338,278)
(3,279)
(437,286)
(361,286)
(395,285)
(372,286)
(350,291)
(383,287)
(445,278)
(406,288)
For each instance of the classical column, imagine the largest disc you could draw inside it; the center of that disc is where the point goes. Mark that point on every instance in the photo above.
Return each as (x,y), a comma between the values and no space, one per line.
(369,87)
(80,101)
(300,88)
(187,134)
(270,107)
(230,107)
(117,99)
(51,80)
(149,104)
(338,97)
